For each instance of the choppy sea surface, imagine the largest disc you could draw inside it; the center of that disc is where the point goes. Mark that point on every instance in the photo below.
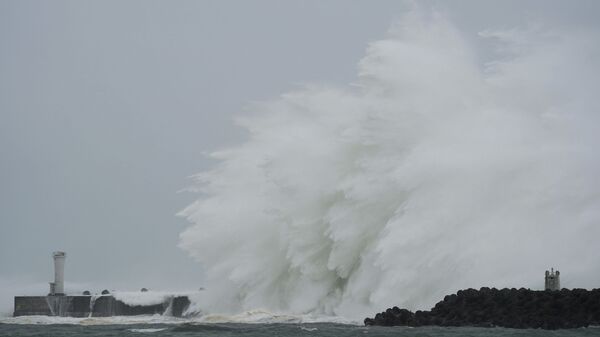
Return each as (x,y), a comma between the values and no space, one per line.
(156,326)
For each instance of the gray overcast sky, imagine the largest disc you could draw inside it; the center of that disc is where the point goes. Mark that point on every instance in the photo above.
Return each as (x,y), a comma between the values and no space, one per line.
(107,106)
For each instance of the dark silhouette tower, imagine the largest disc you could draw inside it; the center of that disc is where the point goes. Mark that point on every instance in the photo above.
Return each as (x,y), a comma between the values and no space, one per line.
(552,280)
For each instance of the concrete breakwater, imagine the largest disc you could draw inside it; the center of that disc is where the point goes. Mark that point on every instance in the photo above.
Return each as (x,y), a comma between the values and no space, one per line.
(509,308)
(95,306)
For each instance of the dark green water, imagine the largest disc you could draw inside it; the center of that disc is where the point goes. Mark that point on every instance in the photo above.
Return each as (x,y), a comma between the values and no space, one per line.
(271,330)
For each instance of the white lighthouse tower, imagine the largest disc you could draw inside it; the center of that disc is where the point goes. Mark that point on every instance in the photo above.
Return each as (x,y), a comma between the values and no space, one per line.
(57,288)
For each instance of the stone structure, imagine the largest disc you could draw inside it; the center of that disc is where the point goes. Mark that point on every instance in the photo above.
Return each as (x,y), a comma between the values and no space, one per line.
(509,308)
(552,280)
(87,305)
(95,306)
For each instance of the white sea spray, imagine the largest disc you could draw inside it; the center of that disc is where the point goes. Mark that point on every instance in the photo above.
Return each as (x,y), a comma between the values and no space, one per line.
(434,171)
(134,298)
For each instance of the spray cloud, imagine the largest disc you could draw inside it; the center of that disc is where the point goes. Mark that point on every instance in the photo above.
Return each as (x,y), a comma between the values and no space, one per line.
(435,171)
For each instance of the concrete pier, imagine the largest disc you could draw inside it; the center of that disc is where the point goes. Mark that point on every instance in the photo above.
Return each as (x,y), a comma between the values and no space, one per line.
(87,305)
(94,306)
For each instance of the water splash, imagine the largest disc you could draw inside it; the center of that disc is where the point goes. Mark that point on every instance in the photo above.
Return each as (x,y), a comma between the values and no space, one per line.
(59,305)
(435,171)
(51,301)
(169,309)
(93,299)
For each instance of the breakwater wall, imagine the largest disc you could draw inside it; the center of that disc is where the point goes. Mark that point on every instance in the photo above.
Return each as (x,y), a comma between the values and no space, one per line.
(509,308)
(95,306)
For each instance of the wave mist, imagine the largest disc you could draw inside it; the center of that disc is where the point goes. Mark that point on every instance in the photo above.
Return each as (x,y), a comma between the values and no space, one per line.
(436,170)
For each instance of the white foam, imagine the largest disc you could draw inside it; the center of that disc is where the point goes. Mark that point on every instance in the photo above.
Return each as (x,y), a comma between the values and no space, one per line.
(437,170)
(149,297)
(134,298)
(127,320)
(257,316)
(150,330)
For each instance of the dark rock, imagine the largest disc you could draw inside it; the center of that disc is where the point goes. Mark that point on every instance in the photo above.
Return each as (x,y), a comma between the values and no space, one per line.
(512,308)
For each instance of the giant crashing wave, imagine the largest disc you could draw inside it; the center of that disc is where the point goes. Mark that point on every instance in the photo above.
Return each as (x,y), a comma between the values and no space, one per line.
(436,170)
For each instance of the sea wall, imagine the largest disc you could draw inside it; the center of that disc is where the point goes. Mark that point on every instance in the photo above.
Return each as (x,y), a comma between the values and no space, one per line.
(95,306)
(510,308)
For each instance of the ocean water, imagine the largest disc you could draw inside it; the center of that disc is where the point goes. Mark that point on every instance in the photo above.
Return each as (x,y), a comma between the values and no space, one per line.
(251,324)
(271,330)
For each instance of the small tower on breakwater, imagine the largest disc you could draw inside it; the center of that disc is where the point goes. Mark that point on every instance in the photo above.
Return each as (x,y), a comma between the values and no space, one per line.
(552,280)
(57,288)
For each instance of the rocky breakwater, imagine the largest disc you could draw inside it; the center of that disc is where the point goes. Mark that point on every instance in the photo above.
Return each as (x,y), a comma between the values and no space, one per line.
(509,308)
